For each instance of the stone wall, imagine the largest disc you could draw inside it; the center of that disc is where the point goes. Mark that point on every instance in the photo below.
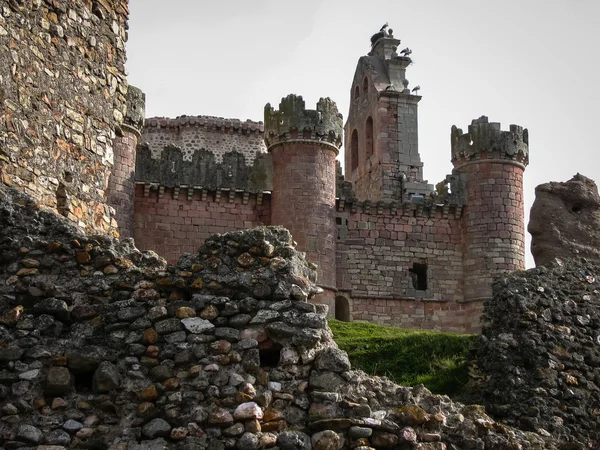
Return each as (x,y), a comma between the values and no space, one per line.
(103,346)
(62,94)
(215,134)
(383,250)
(171,221)
(204,169)
(538,358)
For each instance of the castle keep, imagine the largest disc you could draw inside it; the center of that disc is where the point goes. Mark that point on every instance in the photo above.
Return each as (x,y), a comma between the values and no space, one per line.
(388,247)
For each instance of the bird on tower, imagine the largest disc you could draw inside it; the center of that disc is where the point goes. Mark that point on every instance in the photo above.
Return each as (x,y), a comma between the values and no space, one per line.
(407,51)
(385,25)
(416,89)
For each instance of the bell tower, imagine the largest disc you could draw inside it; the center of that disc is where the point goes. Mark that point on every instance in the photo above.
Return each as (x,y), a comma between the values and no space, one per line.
(381,134)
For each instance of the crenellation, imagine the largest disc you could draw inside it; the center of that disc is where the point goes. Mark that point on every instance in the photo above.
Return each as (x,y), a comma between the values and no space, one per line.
(488,138)
(292,121)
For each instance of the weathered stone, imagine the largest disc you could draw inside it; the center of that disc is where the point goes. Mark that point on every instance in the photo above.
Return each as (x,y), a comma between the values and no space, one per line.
(197,325)
(293,440)
(106,378)
(247,411)
(564,220)
(58,381)
(156,428)
(248,441)
(29,433)
(53,307)
(327,440)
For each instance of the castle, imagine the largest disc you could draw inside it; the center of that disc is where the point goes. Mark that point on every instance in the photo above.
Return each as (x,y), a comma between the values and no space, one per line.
(389,249)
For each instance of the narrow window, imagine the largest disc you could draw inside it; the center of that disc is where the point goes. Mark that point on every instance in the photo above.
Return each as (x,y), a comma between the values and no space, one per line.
(356,93)
(365,86)
(354,150)
(418,274)
(369,137)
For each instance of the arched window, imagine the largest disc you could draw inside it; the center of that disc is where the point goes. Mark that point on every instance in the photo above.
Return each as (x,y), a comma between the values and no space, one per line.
(369,136)
(354,150)
(342,309)
(365,86)
(356,92)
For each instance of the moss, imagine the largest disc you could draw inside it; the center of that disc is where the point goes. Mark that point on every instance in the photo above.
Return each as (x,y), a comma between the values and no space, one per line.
(407,357)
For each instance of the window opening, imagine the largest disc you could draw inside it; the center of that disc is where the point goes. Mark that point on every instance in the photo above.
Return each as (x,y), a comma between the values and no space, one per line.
(418,275)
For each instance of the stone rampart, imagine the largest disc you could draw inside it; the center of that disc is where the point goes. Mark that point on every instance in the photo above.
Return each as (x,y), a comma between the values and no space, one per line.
(62,96)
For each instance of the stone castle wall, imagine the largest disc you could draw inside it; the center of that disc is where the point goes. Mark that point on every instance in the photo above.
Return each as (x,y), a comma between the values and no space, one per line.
(215,134)
(62,95)
(377,250)
(173,221)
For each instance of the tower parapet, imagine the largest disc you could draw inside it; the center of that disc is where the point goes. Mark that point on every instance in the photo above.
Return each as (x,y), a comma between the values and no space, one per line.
(488,138)
(293,122)
(490,163)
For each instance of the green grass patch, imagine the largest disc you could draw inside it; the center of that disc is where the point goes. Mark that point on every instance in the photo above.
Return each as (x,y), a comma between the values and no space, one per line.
(408,357)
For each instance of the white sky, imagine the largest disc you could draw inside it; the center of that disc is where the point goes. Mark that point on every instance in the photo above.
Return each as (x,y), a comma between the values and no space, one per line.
(530,62)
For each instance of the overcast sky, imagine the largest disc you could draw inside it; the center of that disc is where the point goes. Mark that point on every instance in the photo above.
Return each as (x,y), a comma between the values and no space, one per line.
(530,62)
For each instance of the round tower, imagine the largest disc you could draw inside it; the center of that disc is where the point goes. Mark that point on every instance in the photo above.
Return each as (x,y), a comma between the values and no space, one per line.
(304,145)
(490,163)
(121,184)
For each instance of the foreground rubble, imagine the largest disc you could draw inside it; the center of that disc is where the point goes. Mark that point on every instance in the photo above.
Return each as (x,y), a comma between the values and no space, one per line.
(104,346)
(539,353)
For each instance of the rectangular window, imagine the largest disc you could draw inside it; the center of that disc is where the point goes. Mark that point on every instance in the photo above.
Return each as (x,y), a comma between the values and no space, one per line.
(418,274)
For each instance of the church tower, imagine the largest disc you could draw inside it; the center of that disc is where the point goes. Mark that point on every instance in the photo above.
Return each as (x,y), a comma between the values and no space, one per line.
(381,134)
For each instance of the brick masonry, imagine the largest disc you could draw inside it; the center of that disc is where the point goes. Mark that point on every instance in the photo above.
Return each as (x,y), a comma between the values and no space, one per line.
(121,186)
(171,226)
(304,202)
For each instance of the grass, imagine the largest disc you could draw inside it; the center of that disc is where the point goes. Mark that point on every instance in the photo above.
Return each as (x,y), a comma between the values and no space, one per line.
(408,357)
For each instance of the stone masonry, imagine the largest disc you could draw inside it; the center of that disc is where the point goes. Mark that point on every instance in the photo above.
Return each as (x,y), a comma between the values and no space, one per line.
(62,96)
(388,247)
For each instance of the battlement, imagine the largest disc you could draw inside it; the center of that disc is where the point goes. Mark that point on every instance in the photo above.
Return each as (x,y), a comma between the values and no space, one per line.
(293,122)
(136,109)
(207,122)
(486,137)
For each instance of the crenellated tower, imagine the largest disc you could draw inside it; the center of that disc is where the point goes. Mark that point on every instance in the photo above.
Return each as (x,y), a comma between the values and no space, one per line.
(490,164)
(304,145)
(121,184)
(381,134)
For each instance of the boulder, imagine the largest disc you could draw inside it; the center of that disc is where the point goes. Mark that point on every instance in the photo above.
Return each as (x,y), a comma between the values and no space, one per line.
(565,220)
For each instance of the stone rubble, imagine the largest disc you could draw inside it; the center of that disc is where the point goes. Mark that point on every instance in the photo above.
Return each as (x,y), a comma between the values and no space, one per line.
(106,347)
(538,358)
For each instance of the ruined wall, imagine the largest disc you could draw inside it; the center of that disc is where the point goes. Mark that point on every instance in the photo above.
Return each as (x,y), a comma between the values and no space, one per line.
(62,93)
(402,265)
(103,346)
(171,221)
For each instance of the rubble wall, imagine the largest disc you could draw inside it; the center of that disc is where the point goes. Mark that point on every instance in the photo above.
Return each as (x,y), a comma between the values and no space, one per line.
(538,359)
(104,346)
(170,221)
(62,94)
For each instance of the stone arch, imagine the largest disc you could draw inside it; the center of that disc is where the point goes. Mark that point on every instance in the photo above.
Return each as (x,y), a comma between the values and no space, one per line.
(342,308)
